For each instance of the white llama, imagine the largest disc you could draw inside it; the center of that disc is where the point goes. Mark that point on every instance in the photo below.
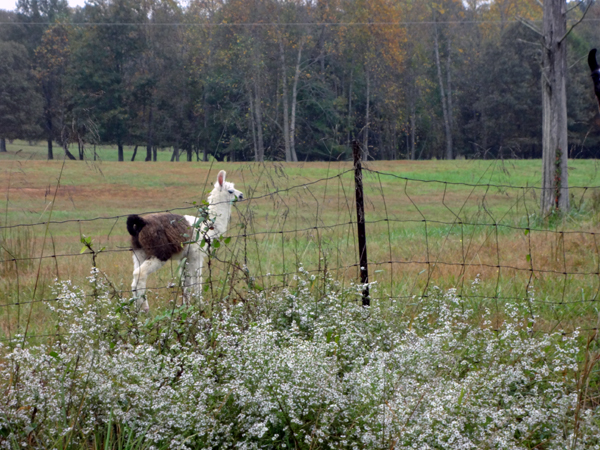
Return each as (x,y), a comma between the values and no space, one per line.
(158,238)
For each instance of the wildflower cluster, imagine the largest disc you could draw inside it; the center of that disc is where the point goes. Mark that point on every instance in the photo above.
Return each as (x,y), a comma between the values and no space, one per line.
(307,367)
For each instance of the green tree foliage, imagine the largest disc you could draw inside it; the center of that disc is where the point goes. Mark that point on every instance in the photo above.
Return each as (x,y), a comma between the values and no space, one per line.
(110,76)
(288,80)
(20,101)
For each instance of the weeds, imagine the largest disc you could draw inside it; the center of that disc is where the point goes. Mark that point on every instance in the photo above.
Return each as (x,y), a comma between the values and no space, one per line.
(296,369)
(17,246)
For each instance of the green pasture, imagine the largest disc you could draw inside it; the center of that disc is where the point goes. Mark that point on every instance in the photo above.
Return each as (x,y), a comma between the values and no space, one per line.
(30,151)
(430,224)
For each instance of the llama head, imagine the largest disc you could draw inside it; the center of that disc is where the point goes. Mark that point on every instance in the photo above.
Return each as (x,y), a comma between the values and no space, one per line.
(224,192)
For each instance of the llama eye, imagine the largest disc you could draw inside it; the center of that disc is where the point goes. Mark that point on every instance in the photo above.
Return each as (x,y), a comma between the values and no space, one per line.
(231,191)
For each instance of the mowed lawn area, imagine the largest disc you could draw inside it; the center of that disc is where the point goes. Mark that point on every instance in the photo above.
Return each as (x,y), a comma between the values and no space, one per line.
(429,224)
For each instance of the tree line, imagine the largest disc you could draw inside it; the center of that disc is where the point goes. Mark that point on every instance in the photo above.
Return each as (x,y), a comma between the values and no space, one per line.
(289,80)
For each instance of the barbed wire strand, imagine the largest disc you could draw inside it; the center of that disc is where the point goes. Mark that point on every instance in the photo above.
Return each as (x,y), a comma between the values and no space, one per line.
(473,234)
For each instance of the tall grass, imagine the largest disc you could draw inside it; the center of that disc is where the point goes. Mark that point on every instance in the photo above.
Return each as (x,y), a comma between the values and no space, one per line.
(419,234)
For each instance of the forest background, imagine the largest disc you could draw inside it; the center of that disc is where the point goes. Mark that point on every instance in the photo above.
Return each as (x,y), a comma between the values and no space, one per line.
(244,80)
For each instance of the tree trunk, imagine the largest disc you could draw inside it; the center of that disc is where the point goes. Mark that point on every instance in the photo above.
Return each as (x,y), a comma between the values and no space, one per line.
(447,126)
(286,123)
(2,145)
(450,148)
(555,186)
(81,150)
(365,150)
(149,138)
(48,120)
(294,103)
(175,156)
(413,120)
(256,108)
(253,124)
(68,154)
(134,153)
(206,133)
(154,153)
(348,125)
(120,151)
(259,123)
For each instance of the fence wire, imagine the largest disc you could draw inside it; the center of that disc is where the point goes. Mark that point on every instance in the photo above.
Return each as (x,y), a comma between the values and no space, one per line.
(485,241)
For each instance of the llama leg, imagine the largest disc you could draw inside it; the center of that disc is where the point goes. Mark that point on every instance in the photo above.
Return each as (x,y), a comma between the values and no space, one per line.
(139,256)
(192,282)
(140,277)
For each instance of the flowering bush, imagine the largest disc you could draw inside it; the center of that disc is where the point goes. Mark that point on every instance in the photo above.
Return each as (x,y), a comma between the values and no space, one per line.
(307,367)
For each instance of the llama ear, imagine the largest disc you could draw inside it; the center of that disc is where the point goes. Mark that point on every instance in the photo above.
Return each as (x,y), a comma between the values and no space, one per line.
(221,178)
(592,60)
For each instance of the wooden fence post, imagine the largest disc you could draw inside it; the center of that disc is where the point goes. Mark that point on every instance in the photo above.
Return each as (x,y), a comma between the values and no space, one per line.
(360,222)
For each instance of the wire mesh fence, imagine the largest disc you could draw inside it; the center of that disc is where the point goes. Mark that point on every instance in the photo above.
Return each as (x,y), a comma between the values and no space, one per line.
(485,241)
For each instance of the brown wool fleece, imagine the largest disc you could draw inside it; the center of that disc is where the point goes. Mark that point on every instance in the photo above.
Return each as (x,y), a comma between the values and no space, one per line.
(162,235)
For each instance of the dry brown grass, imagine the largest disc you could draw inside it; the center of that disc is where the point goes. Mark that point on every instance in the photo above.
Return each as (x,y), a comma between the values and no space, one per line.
(281,225)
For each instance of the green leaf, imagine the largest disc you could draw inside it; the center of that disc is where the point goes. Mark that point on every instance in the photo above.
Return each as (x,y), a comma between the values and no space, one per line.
(528,257)
(526,231)
(216,244)
(227,240)
(54,355)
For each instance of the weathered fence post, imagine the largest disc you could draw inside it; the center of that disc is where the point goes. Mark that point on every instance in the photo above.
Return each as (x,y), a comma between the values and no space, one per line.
(360,223)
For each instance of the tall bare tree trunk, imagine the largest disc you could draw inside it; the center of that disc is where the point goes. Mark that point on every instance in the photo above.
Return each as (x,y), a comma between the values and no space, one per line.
(206,133)
(253,123)
(286,123)
(447,126)
(259,123)
(2,145)
(294,103)
(555,186)
(348,140)
(120,151)
(149,137)
(256,115)
(413,120)
(450,148)
(365,150)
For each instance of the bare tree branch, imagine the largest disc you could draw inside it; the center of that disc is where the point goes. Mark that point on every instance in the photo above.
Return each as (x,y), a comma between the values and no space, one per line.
(530,25)
(576,5)
(587,8)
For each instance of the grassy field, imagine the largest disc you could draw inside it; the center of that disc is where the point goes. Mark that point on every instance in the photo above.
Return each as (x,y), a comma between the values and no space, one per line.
(473,310)
(32,151)
(427,226)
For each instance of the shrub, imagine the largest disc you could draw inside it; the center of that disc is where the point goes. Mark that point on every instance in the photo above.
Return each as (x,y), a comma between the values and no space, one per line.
(293,369)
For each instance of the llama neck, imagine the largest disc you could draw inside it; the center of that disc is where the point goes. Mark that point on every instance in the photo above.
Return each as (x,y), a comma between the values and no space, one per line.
(220,213)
